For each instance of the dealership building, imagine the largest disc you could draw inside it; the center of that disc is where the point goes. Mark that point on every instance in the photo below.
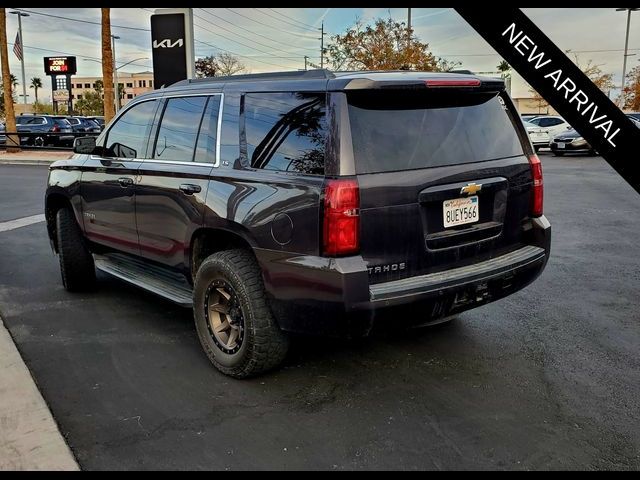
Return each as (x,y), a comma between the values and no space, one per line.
(134,84)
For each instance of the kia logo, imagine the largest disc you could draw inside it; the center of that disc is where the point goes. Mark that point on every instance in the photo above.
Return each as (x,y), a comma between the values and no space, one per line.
(166,43)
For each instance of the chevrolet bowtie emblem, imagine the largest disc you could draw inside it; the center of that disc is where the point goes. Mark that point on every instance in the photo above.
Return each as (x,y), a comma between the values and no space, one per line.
(471,188)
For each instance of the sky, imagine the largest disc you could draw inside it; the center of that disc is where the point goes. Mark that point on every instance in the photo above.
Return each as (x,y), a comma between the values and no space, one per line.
(277,39)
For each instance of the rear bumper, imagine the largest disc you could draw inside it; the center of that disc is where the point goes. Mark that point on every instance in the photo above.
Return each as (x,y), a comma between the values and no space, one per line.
(570,147)
(435,284)
(323,295)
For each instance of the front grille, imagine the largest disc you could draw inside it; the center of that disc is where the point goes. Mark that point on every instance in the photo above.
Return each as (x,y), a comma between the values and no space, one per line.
(563,140)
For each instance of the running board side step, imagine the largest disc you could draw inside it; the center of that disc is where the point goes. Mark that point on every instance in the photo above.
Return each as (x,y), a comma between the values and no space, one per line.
(155,279)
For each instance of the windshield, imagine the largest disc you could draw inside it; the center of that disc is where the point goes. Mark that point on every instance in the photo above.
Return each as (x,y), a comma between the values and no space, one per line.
(395,131)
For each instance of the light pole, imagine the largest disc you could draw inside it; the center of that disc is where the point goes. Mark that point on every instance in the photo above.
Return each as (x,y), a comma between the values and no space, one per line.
(115,70)
(24,81)
(116,89)
(626,45)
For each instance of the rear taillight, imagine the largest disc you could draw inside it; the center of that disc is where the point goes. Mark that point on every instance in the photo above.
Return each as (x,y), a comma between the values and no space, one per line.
(537,191)
(55,129)
(341,224)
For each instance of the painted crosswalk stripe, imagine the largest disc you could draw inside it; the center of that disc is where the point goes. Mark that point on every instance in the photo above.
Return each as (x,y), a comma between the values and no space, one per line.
(21,222)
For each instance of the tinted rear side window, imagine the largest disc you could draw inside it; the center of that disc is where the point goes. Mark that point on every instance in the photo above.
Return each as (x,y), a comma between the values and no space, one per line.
(285,131)
(395,131)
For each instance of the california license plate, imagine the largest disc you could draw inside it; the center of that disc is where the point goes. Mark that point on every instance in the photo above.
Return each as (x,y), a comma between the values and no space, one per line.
(459,211)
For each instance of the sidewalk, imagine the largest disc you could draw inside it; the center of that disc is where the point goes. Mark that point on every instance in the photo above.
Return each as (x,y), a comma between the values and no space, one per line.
(29,436)
(33,157)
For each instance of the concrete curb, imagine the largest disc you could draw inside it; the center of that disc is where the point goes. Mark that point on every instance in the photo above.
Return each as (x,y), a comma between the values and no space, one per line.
(19,161)
(29,436)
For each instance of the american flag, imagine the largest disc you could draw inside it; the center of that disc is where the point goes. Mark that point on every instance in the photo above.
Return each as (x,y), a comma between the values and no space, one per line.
(17,47)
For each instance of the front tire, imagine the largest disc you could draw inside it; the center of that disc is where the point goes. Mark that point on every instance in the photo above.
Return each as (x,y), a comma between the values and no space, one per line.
(76,262)
(234,323)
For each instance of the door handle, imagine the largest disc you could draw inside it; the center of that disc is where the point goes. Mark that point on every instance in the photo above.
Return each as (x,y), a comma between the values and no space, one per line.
(190,189)
(125,181)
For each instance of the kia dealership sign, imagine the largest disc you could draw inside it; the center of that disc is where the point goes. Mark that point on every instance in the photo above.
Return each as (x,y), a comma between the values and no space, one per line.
(172,46)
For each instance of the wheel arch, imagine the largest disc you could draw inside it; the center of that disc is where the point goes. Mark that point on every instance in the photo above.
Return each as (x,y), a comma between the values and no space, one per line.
(54,201)
(211,239)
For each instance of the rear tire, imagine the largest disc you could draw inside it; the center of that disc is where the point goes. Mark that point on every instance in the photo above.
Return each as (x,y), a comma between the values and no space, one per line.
(234,323)
(76,262)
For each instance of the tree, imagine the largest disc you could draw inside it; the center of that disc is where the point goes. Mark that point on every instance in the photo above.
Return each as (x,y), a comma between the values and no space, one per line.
(387,45)
(631,94)
(12,142)
(99,86)
(219,65)
(229,64)
(604,81)
(504,68)
(36,83)
(90,104)
(540,102)
(206,67)
(107,66)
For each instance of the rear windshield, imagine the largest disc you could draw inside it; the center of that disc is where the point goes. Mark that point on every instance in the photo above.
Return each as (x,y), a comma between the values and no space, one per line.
(61,122)
(395,131)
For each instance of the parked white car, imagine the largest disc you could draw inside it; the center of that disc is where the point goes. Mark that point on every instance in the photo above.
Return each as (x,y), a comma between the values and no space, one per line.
(539,136)
(554,124)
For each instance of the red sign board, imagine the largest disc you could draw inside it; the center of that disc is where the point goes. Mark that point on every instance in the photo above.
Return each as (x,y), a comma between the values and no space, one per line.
(60,65)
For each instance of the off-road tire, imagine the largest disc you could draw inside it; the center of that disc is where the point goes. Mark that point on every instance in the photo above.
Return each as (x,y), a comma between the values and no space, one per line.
(76,262)
(264,346)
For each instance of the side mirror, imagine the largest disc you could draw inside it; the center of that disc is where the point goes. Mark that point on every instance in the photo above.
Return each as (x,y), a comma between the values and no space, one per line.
(84,145)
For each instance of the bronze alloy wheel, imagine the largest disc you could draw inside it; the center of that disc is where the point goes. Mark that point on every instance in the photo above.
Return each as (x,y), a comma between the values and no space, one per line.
(224,317)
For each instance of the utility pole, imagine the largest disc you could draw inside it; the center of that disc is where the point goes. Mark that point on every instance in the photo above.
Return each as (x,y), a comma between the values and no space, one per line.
(408,28)
(322,34)
(24,79)
(626,45)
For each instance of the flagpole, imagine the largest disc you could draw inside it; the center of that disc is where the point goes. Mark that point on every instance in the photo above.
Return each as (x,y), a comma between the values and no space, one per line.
(24,80)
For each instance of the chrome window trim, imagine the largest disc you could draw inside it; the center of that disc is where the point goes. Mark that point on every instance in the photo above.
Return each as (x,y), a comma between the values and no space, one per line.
(176,162)
(168,96)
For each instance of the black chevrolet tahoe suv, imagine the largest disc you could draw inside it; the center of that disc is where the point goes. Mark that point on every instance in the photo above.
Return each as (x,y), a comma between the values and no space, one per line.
(313,201)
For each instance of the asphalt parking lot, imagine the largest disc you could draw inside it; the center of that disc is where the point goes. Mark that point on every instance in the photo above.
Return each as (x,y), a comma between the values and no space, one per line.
(548,378)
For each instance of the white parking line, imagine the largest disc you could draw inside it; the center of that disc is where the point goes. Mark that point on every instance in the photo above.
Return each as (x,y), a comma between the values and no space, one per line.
(21,222)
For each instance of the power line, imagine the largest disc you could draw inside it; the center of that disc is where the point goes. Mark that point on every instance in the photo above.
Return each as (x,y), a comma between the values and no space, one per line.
(254,33)
(230,39)
(73,54)
(237,54)
(251,57)
(312,29)
(241,36)
(291,18)
(297,35)
(81,21)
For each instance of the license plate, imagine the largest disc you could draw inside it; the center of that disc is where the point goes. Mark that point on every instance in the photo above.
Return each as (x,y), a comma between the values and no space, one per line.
(561,146)
(459,211)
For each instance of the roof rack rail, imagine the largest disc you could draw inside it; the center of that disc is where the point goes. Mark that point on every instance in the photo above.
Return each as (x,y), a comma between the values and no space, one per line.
(299,74)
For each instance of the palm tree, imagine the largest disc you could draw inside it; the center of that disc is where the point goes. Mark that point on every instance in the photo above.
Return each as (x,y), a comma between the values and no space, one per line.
(13,141)
(107,66)
(36,83)
(505,68)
